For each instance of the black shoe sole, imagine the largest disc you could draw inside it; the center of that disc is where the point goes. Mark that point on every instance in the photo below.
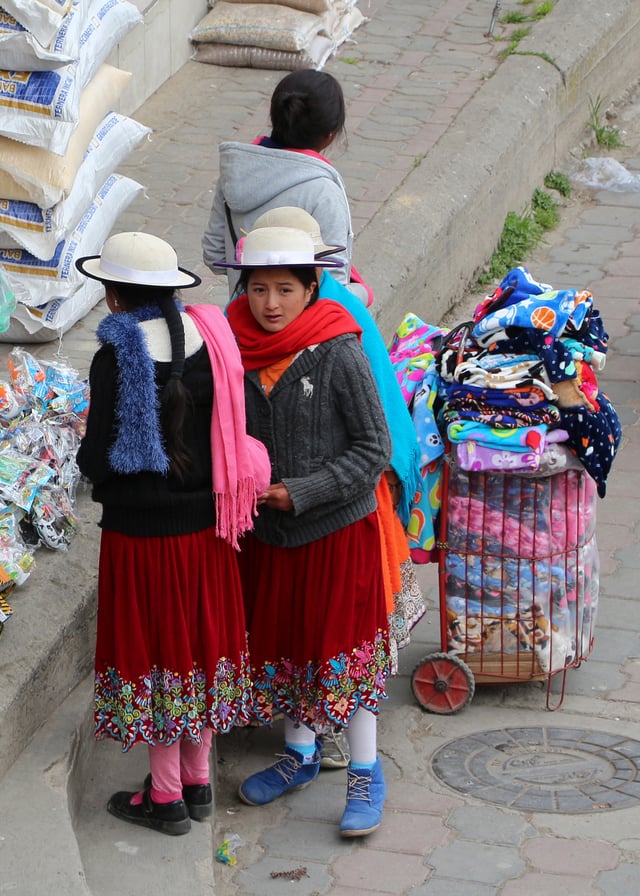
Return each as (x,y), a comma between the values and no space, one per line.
(173,828)
(197,811)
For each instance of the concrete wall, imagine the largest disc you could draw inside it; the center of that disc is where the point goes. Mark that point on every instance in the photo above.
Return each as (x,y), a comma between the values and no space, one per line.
(155,50)
(428,242)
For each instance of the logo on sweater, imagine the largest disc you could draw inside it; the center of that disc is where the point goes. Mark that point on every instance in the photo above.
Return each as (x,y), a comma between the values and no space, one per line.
(307,386)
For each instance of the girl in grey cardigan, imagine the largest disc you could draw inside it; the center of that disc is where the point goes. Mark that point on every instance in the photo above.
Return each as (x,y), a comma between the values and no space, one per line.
(312,568)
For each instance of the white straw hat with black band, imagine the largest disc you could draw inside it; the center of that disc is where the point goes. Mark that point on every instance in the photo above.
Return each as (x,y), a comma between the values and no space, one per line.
(137,259)
(277,247)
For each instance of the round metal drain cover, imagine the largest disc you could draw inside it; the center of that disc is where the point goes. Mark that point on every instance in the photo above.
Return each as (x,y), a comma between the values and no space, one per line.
(544,769)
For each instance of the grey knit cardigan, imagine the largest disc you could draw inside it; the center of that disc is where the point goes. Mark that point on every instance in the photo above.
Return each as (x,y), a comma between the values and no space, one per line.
(327,437)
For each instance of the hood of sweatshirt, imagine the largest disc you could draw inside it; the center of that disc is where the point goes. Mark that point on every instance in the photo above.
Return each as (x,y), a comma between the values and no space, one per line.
(253,176)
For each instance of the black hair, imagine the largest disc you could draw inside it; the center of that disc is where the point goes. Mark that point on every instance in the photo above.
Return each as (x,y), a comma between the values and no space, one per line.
(174,396)
(305,275)
(306,106)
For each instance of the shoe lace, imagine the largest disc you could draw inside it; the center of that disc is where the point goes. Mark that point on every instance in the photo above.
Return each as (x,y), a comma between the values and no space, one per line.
(337,739)
(358,786)
(287,766)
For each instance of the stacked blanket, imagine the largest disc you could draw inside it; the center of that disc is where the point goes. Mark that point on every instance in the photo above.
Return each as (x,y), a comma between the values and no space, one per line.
(512,396)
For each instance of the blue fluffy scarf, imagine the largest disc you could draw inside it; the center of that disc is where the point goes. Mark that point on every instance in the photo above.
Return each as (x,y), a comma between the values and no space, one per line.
(138,445)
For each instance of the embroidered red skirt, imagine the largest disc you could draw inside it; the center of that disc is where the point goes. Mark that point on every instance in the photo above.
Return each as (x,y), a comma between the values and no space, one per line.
(171,652)
(317,624)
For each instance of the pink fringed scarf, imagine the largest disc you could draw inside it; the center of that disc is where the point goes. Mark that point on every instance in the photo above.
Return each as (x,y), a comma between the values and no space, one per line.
(240,463)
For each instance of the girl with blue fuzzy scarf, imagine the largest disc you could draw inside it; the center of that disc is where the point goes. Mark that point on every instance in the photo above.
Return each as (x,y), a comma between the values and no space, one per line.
(169,459)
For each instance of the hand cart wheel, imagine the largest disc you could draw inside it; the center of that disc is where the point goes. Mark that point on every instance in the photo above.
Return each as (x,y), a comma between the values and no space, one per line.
(442,683)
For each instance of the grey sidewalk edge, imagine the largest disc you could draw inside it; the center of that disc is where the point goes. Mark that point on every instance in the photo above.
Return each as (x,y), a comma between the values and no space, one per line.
(422,249)
(428,242)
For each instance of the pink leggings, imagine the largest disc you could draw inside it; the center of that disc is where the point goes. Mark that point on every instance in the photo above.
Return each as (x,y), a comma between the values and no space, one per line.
(178,765)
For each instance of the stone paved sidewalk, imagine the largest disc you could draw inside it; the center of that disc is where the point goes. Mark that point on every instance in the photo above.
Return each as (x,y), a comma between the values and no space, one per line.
(435,841)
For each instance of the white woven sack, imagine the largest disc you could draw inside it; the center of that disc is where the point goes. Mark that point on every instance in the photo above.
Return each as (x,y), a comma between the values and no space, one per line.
(32,174)
(41,17)
(21,51)
(25,225)
(54,318)
(41,108)
(270,26)
(36,282)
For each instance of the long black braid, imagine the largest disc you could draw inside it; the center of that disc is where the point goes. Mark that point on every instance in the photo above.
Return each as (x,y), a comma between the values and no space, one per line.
(173,399)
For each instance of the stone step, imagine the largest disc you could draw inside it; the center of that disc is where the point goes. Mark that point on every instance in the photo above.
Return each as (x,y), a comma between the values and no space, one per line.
(57,790)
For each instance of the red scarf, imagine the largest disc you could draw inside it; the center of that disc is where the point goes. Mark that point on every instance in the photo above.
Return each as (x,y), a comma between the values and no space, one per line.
(318,323)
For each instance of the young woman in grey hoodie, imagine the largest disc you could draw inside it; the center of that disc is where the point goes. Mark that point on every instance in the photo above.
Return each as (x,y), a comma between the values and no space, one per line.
(287,168)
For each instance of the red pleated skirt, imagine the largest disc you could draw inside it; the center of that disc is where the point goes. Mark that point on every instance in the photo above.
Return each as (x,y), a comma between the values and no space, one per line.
(171,653)
(317,624)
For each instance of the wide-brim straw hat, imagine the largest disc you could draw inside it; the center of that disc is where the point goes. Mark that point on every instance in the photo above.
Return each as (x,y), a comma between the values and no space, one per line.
(292,216)
(137,259)
(277,247)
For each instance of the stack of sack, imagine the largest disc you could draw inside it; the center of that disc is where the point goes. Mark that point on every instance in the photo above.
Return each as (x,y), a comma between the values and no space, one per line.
(60,144)
(289,35)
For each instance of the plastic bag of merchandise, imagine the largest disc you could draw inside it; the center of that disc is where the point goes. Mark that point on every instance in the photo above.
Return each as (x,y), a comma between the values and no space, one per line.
(53,518)
(47,387)
(16,560)
(20,478)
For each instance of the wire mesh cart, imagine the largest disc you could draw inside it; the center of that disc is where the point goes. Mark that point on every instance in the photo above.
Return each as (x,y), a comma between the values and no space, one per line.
(518,583)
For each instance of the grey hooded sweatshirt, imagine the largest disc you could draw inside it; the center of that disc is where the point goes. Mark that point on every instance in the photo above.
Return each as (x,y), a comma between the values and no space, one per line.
(254,179)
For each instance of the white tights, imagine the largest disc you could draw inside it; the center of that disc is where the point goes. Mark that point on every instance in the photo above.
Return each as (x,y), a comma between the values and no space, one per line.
(361,735)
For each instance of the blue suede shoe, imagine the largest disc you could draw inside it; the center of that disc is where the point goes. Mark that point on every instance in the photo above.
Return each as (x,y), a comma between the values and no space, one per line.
(366,791)
(288,773)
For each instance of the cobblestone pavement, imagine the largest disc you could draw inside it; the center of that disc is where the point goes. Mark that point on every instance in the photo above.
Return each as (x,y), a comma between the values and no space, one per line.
(435,841)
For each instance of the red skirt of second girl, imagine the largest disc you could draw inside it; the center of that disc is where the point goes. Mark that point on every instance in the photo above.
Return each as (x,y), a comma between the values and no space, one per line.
(317,624)
(171,652)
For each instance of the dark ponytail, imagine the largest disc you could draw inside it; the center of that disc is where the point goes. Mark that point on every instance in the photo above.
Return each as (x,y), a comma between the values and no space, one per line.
(173,398)
(306,106)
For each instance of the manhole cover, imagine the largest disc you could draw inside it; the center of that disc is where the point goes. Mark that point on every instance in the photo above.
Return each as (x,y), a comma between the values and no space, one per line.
(544,769)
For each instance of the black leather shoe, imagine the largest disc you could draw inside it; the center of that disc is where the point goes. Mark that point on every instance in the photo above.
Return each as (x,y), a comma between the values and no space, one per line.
(198,797)
(169,818)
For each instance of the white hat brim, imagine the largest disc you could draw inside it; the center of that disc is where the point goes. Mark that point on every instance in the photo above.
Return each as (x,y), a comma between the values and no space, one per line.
(89,265)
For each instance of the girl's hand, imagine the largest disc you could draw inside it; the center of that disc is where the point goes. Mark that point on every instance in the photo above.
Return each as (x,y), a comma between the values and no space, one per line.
(276,496)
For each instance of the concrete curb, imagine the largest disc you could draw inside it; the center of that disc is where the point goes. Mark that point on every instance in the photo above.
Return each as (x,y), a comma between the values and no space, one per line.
(426,244)
(40,796)
(51,650)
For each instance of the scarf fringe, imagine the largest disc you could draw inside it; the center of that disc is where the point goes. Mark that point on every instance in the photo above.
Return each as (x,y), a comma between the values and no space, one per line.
(235,512)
